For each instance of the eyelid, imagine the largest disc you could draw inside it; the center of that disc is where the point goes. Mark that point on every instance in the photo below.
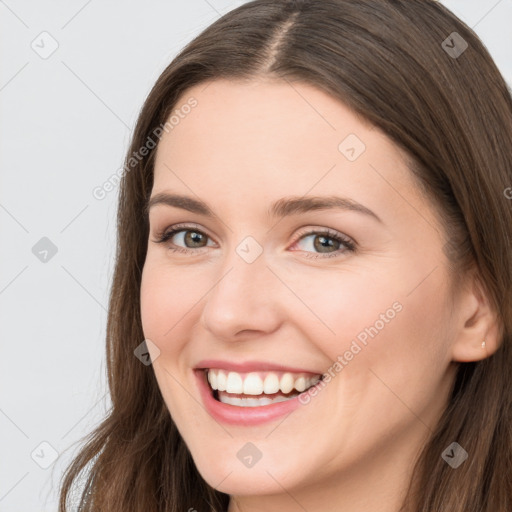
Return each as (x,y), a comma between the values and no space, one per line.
(180,227)
(349,243)
(319,230)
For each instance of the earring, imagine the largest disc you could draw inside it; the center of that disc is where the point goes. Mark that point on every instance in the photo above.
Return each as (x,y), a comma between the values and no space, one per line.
(483,344)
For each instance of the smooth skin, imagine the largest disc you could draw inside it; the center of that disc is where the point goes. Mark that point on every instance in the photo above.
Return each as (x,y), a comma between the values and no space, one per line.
(305,299)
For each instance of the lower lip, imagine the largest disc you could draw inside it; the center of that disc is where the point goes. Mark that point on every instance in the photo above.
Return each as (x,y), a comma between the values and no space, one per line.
(245,416)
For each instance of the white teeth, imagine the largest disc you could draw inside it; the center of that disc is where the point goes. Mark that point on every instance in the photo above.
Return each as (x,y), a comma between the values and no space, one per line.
(271,384)
(253,385)
(252,402)
(234,383)
(212,379)
(300,384)
(221,380)
(258,383)
(286,383)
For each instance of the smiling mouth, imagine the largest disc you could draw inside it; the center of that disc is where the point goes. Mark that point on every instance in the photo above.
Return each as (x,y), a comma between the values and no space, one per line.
(257,389)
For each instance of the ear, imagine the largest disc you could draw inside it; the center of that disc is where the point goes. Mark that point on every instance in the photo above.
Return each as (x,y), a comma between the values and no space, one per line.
(476,321)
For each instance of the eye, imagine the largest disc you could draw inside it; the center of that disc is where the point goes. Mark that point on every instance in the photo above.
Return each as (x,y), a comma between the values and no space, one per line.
(327,242)
(191,237)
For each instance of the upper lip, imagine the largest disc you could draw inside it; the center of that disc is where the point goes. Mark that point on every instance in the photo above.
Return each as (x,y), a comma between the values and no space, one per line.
(250,366)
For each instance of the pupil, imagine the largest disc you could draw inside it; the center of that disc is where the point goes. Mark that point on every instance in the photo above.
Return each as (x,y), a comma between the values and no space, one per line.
(193,237)
(324,242)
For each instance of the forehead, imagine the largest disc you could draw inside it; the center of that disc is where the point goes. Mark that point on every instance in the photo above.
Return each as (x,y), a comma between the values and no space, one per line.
(277,138)
(276,115)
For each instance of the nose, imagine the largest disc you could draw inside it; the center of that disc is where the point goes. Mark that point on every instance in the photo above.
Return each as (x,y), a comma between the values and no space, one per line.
(244,298)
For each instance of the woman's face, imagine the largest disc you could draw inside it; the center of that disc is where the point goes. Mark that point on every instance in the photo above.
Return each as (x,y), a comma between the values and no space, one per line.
(261,280)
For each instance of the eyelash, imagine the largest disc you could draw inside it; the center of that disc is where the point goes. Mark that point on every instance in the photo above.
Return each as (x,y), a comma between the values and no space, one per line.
(350,246)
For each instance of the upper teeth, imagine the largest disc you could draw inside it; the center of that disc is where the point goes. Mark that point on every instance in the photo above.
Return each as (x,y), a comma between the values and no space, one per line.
(256,383)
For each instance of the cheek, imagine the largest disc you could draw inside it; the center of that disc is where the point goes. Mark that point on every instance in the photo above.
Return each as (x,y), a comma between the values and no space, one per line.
(164,302)
(163,311)
(378,328)
(402,364)
(153,302)
(339,307)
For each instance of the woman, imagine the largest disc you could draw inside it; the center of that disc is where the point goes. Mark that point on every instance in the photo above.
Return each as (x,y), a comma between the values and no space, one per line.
(315,255)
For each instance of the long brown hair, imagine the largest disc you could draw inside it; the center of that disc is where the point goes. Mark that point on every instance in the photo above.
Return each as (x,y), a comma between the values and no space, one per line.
(452,113)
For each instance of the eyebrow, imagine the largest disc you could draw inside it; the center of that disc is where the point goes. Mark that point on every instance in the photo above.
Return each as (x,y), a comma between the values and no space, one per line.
(282,208)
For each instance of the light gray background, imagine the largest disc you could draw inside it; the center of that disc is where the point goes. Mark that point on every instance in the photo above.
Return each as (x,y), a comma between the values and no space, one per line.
(66,122)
